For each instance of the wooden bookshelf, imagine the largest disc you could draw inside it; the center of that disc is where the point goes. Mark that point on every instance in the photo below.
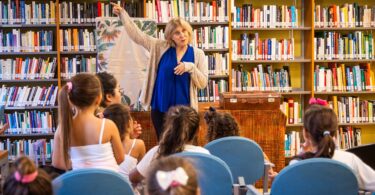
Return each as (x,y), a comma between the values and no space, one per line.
(297,60)
(31,135)
(31,108)
(12,26)
(271,29)
(344,29)
(161,24)
(42,53)
(29,81)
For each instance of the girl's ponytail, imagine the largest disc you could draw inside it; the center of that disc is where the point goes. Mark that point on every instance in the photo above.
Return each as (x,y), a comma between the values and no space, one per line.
(65,120)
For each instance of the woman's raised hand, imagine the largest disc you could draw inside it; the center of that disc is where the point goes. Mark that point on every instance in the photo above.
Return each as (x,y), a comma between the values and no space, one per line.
(116,9)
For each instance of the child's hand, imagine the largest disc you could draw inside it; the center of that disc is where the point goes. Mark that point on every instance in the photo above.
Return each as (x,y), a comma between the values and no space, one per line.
(100,115)
(137,130)
(116,9)
(272,174)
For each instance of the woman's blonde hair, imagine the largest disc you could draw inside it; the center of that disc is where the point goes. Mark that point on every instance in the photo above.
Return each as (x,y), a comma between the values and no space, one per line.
(172,25)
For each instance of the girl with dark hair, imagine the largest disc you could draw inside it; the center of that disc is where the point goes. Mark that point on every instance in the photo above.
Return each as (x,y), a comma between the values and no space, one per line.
(181,127)
(112,94)
(172,175)
(319,132)
(82,140)
(221,124)
(134,149)
(27,179)
(110,89)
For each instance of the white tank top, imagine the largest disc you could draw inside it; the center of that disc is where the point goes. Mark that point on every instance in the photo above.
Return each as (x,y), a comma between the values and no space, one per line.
(94,156)
(129,163)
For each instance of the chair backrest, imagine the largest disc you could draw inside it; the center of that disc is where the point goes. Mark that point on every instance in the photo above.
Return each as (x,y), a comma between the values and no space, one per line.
(214,176)
(243,156)
(315,176)
(365,153)
(91,181)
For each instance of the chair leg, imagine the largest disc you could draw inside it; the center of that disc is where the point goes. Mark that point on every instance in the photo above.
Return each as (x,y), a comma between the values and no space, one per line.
(267,167)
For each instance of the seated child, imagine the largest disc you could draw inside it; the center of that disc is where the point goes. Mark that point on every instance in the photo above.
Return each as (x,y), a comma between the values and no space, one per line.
(27,179)
(172,175)
(320,126)
(181,127)
(113,94)
(224,125)
(82,140)
(134,148)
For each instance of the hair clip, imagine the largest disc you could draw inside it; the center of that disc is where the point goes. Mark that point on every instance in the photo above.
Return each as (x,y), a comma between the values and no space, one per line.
(326,132)
(25,178)
(318,101)
(70,86)
(173,178)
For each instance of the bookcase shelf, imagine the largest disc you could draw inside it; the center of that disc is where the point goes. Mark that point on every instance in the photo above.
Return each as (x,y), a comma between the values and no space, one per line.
(218,76)
(297,60)
(270,29)
(344,93)
(31,135)
(49,53)
(78,53)
(344,29)
(162,24)
(295,92)
(295,125)
(216,50)
(27,26)
(83,25)
(29,81)
(357,124)
(345,60)
(31,108)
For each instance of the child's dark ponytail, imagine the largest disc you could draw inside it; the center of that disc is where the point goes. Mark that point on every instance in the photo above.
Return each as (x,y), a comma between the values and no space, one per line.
(65,120)
(320,124)
(181,126)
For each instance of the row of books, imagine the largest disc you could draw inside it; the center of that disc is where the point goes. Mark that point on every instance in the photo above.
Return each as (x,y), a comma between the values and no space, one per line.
(340,77)
(353,110)
(347,15)
(212,91)
(261,79)
(38,150)
(251,47)
(30,122)
(28,68)
(77,39)
(29,41)
(190,10)
(218,64)
(78,13)
(336,45)
(20,12)
(78,64)
(268,16)
(348,137)
(18,96)
(207,37)
(292,110)
(292,143)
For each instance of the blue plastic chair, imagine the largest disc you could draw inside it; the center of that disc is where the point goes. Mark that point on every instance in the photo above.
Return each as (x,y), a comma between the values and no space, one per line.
(243,156)
(214,176)
(91,181)
(316,176)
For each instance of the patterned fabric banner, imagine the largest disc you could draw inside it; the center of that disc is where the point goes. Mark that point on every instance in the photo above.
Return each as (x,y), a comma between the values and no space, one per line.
(122,57)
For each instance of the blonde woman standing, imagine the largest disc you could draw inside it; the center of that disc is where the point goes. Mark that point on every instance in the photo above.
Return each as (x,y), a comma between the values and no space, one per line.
(176,70)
